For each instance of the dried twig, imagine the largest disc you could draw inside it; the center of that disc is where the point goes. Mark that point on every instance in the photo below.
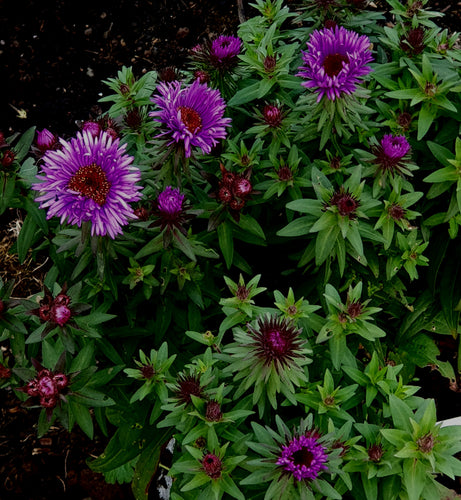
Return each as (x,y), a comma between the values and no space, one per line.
(241,12)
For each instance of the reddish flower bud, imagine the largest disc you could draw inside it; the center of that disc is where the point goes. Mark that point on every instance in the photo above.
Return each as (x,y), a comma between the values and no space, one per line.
(212,466)
(213,411)
(354,310)
(48,401)
(272,116)
(202,76)
(147,371)
(92,127)
(242,187)
(396,212)
(426,443)
(8,157)
(4,372)
(47,386)
(237,205)
(124,89)
(285,174)
(225,195)
(61,380)
(60,315)
(375,452)
(270,63)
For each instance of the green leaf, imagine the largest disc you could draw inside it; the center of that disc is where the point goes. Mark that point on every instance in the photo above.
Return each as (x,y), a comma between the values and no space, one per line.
(82,417)
(297,227)
(426,116)
(401,413)
(414,478)
(325,243)
(226,242)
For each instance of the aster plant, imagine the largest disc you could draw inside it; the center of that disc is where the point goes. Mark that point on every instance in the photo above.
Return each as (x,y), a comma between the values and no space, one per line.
(268,232)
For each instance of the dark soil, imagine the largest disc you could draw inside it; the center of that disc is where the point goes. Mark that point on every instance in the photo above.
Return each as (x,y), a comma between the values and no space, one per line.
(53,57)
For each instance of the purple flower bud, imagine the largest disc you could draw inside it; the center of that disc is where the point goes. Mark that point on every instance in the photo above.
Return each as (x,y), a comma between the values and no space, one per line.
(92,127)
(47,386)
(46,140)
(242,187)
(60,314)
(170,201)
(213,411)
(272,116)
(395,146)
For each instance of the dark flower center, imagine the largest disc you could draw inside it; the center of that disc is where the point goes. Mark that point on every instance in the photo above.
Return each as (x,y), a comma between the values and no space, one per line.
(375,452)
(91,182)
(303,457)
(191,119)
(334,63)
(285,174)
(347,204)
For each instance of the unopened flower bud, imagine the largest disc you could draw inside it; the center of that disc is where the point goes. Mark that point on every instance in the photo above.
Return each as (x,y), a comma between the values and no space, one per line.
(60,314)
(375,452)
(47,386)
(92,127)
(61,381)
(46,140)
(212,466)
(213,411)
(242,187)
(8,158)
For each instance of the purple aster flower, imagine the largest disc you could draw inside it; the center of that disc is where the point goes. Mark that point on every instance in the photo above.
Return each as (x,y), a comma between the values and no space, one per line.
(335,62)
(46,140)
(193,115)
(391,153)
(90,179)
(304,457)
(224,51)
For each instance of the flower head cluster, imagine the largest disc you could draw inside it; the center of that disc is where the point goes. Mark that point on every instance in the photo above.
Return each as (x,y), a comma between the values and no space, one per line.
(90,179)
(192,116)
(335,62)
(55,311)
(234,190)
(391,154)
(303,457)
(47,388)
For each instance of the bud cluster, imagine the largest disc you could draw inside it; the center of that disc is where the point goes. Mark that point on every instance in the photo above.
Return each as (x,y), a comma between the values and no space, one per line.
(234,189)
(47,387)
(54,310)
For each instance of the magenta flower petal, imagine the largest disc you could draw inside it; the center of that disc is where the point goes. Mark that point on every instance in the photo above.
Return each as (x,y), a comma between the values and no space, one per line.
(192,116)
(335,62)
(90,179)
